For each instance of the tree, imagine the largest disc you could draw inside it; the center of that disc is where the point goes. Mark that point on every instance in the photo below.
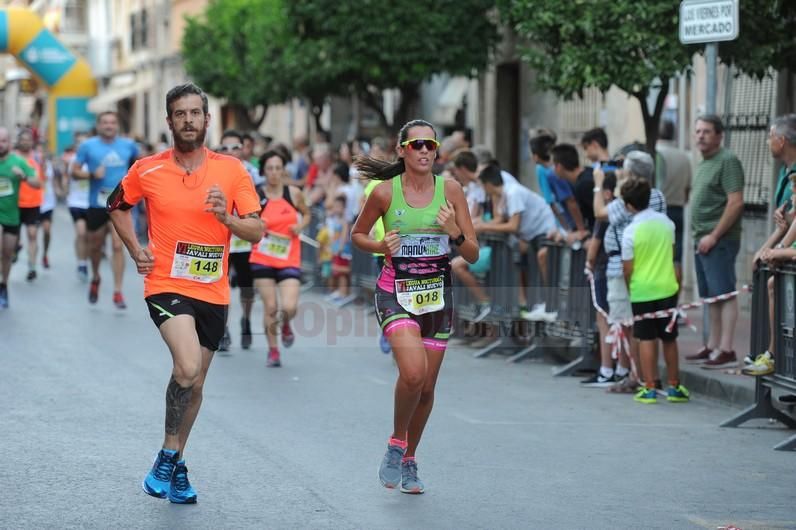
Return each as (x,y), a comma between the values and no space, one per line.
(371,46)
(234,51)
(634,44)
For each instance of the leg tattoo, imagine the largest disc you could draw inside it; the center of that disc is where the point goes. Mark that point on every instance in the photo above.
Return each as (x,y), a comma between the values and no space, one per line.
(177,400)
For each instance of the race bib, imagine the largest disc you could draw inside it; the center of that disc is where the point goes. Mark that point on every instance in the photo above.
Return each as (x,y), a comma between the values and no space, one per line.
(238,245)
(198,262)
(6,187)
(275,245)
(102,196)
(421,295)
(423,246)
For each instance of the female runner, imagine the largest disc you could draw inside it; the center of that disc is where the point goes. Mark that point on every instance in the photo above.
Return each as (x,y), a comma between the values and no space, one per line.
(423,215)
(276,259)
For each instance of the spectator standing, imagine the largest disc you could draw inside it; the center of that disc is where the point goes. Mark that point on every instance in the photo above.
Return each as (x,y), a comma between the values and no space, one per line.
(541,143)
(648,266)
(779,246)
(673,178)
(637,164)
(716,209)
(566,164)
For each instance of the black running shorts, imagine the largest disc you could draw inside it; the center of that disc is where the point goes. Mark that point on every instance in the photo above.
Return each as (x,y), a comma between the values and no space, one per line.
(96,218)
(209,319)
(435,328)
(12,230)
(29,216)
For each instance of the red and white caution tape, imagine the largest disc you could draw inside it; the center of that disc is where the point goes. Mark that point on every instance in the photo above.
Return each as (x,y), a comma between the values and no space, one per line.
(616,334)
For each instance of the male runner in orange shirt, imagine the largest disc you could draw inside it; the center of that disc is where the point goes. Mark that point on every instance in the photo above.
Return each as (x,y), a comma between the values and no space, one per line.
(31,195)
(190,194)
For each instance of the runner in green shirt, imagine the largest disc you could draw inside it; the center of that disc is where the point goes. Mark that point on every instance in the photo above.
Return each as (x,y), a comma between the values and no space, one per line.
(13,170)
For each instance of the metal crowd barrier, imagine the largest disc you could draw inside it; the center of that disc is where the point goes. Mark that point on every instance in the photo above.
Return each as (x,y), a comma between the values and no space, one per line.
(310,267)
(571,297)
(784,376)
(566,292)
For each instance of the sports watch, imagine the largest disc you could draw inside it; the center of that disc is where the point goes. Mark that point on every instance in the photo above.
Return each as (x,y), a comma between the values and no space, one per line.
(459,240)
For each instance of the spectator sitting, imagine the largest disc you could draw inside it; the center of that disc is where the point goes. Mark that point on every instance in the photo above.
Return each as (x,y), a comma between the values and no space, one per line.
(465,171)
(541,143)
(648,266)
(529,219)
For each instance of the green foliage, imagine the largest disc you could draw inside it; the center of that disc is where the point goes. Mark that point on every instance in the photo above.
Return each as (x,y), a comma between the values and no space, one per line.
(369,46)
(767,38)
(584,43)
(234,51)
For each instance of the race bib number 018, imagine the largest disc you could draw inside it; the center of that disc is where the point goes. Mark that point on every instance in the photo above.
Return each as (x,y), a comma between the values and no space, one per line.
(6,187)
(421,295)
(198,262)
(275,245)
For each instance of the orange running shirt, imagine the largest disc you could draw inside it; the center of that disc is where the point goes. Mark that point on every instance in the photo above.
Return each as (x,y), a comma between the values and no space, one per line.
(189,244)
(280,248)
(30,197)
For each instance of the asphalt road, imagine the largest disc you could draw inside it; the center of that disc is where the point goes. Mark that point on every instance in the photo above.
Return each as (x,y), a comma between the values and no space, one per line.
(508,446)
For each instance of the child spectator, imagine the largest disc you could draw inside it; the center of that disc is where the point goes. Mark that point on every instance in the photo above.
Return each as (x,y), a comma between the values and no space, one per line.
(325,256)
(648,266)
(340,237)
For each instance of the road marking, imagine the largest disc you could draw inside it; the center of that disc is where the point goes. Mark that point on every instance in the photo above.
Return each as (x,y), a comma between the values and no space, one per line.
(475,421)
(745,524)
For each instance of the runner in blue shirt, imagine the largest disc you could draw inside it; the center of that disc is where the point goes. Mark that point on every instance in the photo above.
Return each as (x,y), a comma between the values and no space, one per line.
(108,157)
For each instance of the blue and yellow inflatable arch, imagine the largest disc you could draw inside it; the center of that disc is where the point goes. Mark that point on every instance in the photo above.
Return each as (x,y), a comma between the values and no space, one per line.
(71,85)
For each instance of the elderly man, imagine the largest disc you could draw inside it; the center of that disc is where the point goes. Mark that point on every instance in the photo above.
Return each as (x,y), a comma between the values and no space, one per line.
(716,208)
(778,247)
(637,164)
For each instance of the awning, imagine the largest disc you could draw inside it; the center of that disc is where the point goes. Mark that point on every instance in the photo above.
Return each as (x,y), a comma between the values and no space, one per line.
(121,86)
(451,100)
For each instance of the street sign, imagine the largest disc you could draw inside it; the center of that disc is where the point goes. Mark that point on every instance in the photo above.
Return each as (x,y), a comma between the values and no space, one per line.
(708,21)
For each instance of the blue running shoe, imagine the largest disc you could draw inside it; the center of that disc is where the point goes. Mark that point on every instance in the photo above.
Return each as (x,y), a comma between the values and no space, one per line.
(384,344)
(3,297)
(409,481)
(158,480)
(678,394)
(181,491)
(390,468)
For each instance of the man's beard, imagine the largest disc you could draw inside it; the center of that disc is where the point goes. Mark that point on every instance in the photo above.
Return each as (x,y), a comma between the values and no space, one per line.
(3,154)
(186,146)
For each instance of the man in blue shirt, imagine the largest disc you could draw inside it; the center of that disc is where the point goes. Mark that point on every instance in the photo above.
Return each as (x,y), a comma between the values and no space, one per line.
(108,157)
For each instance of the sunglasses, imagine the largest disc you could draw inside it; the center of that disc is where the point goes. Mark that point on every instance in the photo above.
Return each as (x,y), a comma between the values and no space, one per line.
(233,147)
(416,144)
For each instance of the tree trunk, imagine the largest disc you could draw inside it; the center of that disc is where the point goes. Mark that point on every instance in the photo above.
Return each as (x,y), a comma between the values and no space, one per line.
(375,103)
(652,121)
(246,120)
(408,109)
(316,108)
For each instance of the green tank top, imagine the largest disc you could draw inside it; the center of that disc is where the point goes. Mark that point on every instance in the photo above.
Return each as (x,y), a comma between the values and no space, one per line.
(408,220)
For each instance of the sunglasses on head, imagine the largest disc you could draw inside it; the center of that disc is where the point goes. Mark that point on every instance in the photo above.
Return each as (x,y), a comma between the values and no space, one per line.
(233,147)
(416,144)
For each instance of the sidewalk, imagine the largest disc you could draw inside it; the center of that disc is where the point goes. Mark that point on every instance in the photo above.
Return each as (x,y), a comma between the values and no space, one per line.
(725,385)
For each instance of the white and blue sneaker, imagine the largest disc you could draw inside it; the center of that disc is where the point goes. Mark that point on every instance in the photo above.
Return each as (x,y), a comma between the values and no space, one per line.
(180,490)
(158,480)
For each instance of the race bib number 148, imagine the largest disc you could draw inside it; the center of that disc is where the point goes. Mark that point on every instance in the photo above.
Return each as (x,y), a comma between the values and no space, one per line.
(198,262)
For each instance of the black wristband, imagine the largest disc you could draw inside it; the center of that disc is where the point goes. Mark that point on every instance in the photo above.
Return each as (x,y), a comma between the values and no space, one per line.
(458,241)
